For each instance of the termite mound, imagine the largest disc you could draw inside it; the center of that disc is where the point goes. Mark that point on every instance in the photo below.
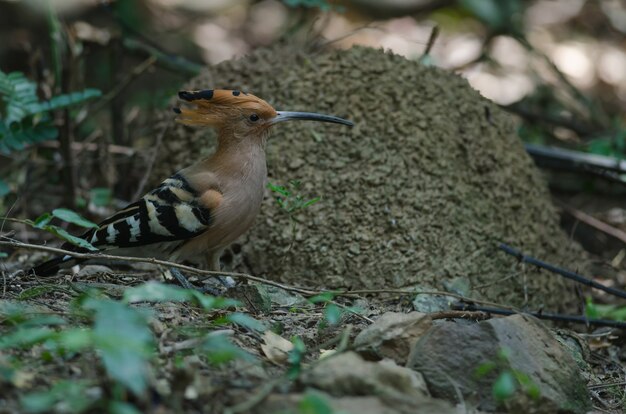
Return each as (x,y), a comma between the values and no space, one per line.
(419,193)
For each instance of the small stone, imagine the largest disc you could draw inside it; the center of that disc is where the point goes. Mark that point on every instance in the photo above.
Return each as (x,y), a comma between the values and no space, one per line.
(393,335)
(354,249)
(431,303)
(296,163)
(254,296)
(349,374)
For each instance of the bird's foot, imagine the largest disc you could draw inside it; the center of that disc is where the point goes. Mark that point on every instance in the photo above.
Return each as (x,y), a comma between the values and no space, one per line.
(226,282)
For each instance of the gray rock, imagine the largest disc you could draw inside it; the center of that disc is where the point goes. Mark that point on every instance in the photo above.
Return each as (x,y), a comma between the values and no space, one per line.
(392,336)
(254,296)
(349,374)
(449,354)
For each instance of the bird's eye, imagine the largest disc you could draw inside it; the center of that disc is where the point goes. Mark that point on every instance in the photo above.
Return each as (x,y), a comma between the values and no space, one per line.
(254,117)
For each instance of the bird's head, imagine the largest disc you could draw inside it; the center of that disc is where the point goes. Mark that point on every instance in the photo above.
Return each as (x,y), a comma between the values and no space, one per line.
(239,112)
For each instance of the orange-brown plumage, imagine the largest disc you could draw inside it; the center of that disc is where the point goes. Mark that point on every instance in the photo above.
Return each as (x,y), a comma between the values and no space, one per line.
(197,212)
(216,107)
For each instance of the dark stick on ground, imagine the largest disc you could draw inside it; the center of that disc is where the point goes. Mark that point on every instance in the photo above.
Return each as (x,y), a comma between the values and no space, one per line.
(541,315)
(565,273)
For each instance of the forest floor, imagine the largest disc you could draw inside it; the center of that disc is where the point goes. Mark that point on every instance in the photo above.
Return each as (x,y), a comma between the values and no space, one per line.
(105,340)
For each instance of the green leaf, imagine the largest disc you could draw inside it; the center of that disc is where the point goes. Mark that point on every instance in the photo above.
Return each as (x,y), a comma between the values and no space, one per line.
(18,92)
(73,217)
(322,297)
(486,10)
(504,387)
(529,386)
(76,241)
(75,339)
(25,337)
(499,15)
(63,101)
(125,342)
(320,4)
(246,321)
(157,292)
(311,202)
(485,368)
(36,291)
(279,189)
(42,221)
(295,356)
(100,196)
(220,350)
(119,407)
(64,396)
(601,146)
(208,302)
(591,311)
(618,314)
(332,313)
(314,403)
(4,188)
(504,353)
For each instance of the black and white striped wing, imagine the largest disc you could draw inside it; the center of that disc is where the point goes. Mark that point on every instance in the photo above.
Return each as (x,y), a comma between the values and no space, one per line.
(168,213)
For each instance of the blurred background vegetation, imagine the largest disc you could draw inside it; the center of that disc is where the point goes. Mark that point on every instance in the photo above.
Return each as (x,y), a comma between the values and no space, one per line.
(95,73)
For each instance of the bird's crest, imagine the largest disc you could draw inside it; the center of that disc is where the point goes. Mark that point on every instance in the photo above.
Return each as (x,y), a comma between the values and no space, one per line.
(223,101)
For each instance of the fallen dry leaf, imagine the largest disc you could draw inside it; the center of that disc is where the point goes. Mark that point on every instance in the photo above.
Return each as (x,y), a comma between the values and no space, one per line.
(275,347)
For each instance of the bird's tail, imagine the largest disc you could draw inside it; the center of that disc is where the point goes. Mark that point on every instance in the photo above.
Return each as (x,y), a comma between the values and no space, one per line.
(52,266)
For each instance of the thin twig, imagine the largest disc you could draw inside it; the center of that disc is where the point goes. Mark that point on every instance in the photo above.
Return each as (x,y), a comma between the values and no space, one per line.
(81,146)
(352,311)
(120,86)
(541,315)
(176,64)
(565,273)
(434,33)
(607,385)
(595,223)
(530,114)
(208,273)
(349,293)
(460,314)
(258,397)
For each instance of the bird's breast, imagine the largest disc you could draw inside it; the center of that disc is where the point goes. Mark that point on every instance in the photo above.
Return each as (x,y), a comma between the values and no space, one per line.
(241,204)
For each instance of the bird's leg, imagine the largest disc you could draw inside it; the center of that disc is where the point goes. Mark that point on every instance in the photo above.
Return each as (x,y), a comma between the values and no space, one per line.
(186,284)
(182,280)
(213,260)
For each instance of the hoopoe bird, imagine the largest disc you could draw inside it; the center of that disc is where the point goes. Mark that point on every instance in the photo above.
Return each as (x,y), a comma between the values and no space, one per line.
(200,210)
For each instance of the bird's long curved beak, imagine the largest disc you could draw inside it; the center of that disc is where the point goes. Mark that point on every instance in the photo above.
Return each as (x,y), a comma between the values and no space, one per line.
(282,116)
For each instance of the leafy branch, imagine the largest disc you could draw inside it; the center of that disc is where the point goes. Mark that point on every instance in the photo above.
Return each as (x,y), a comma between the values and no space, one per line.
(26,120)
(43,223)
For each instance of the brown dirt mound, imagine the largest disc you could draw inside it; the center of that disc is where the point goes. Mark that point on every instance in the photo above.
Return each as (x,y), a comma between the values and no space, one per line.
(419,192)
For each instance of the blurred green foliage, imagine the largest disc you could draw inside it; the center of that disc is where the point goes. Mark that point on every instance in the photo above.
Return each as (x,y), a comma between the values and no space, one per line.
(116,332)
(320,4)
(43,223)
(508,380)
(27,120)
